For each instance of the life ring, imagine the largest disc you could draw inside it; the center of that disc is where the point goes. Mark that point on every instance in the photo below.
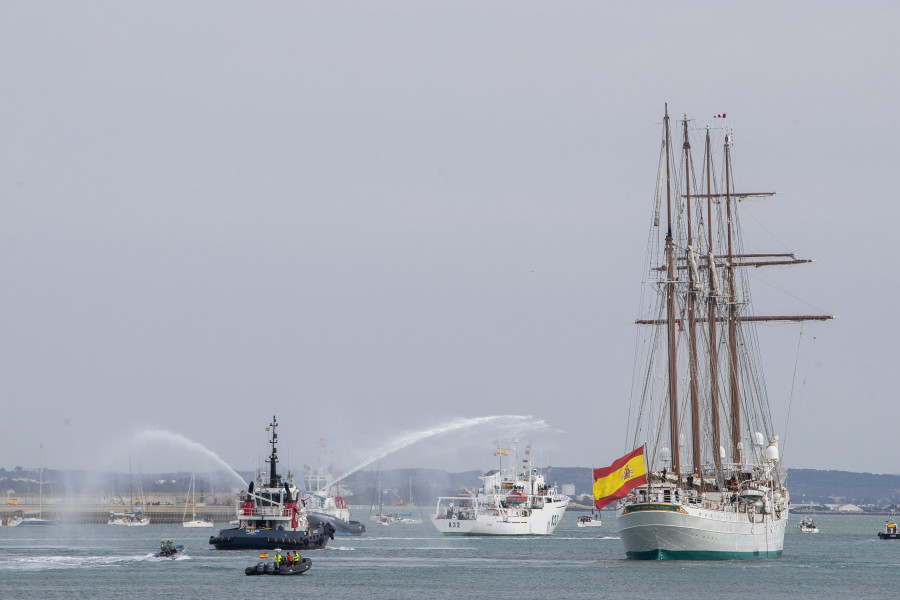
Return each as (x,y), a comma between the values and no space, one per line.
(494,505)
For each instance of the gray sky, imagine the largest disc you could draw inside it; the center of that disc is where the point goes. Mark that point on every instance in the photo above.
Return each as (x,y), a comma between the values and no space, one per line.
(374,218)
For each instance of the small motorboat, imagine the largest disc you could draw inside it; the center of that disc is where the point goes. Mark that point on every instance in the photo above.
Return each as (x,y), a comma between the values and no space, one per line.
(169,550)
(808,525)
(890,530)
(279,567)
(588,521)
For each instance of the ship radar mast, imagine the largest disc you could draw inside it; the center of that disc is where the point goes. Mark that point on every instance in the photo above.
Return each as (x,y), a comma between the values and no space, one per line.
(273,458)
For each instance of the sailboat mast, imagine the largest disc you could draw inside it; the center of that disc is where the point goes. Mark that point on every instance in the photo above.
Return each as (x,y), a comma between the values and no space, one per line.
(693,288)
(670,315)
(713,344)
(732,318)
(41,487)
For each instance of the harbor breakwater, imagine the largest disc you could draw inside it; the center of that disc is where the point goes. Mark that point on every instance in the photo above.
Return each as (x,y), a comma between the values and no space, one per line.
(81,511)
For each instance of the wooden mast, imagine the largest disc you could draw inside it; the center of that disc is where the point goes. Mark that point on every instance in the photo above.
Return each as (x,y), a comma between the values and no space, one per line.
(670,312)
(732,319)
(693,288)
(711,310)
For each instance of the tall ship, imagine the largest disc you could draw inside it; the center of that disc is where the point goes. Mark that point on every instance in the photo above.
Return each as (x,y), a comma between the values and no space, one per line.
(705,480)
(512,501)
(270,514)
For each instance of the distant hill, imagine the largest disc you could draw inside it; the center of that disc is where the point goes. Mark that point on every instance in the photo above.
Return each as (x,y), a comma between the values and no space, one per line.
(838,487)
(423,486)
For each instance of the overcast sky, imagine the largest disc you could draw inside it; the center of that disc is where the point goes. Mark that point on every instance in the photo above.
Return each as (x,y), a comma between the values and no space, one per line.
(376,218)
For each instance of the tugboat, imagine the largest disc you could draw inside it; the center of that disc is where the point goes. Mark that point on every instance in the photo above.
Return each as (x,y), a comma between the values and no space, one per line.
(890,530)
(324,503)
(272,517)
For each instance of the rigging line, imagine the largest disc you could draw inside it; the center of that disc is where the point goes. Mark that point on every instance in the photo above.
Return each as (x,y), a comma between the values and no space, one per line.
(793,384)
(802,385)
(762,279)
(764,228)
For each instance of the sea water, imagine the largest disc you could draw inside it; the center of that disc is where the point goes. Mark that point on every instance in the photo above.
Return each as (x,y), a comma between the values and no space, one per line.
(845,560)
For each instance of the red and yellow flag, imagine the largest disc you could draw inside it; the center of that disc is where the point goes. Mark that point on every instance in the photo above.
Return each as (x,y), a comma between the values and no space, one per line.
(264,555)
(615,481)
(501,451)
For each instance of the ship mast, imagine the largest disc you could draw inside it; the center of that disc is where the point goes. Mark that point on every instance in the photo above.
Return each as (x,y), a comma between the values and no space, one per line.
(693,289)
(670,315)
(711,299)
(732,319)
(273,458)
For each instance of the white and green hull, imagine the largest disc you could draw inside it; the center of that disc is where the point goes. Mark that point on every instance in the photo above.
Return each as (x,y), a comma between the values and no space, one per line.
(654,531)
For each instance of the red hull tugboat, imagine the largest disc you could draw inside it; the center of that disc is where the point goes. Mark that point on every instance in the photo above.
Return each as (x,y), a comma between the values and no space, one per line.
(272,516)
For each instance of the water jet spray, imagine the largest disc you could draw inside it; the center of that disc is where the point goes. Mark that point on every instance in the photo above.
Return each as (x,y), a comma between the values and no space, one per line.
(410,438)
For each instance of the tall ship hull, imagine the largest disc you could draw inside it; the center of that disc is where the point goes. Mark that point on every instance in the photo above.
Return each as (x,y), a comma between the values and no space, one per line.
(666,531)
(270,514)
(704,479)
(508,503)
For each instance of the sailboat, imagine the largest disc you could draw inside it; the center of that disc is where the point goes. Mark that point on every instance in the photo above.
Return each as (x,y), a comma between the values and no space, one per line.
(407,518)
(37,519)
(380,517)
(195,520)
(711,483)
(135,517)
(591,520)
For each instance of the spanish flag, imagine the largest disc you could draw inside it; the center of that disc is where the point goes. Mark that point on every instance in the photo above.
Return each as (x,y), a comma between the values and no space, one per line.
(264,555)
(501,451)
(615,481)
